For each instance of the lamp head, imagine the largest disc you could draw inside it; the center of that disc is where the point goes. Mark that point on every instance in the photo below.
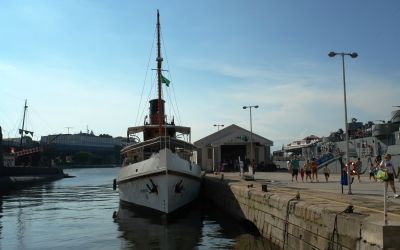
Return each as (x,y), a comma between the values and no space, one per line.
(354,55)
(244,107)
(332,54)
(256,106)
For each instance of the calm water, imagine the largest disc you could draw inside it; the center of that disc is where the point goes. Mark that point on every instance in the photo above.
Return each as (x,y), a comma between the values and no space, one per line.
(77,213)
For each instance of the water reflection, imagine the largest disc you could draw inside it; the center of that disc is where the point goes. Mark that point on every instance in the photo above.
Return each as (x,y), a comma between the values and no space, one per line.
(1,215)
(20,228)
(146,230)
(226,232)
(76,213)
(65,214)
(200,227)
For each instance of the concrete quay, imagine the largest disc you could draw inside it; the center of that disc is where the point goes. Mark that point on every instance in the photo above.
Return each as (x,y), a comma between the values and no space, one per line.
(300,215)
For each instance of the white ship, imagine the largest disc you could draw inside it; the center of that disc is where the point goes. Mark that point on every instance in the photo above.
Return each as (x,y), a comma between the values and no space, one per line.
(159,173)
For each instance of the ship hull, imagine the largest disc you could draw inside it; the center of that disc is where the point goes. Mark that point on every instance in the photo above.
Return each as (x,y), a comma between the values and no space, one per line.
(164,182)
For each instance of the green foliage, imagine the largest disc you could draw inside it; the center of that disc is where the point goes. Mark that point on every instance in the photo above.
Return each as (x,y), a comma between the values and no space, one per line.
(83,157)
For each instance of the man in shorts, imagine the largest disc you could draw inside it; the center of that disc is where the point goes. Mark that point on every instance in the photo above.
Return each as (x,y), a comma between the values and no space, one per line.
(358,168)
(314,170)
(295,164)
(307,168)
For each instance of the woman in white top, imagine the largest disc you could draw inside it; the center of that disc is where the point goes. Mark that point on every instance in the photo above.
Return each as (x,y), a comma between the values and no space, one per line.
(387,165)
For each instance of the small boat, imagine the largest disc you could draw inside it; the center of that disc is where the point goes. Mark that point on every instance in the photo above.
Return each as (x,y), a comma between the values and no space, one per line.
(159,173)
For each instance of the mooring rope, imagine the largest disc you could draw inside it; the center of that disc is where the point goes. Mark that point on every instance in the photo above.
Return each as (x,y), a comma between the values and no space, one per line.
(335,232)
(285,230)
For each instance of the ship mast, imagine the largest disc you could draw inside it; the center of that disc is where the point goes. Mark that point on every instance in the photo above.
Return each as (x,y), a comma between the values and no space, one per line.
(23,124)
(22,130)
(159,69)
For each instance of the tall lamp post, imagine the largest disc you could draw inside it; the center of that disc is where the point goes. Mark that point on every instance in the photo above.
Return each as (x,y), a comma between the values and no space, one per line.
(251,131)
(352,55)
(218,125)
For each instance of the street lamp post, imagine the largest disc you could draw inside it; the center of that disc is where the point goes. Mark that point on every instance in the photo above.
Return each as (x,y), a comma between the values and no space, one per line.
(218,125)
(251,131)
(352,55)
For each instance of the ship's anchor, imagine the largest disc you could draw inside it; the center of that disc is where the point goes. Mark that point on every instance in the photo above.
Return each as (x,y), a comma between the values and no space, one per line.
(179,187)
(152,189)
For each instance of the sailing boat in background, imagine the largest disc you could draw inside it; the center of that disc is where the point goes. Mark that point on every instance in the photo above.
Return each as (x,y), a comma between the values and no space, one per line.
(159,173)
(23,152)
(21,164)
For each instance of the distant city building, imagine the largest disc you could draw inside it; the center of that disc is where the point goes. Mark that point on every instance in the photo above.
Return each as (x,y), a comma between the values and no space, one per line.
(82,148)
(62,149)
(83,141)
(27,142)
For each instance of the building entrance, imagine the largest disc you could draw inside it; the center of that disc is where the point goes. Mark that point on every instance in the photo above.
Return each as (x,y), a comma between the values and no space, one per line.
(230,154)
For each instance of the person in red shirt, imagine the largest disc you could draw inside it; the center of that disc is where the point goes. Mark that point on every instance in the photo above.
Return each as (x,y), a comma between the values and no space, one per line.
(314,170)
(302,174)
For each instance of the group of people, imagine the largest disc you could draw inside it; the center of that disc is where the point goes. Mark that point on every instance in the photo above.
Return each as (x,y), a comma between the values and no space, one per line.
(251,167)
(379,167)
(356,168)
(309,170)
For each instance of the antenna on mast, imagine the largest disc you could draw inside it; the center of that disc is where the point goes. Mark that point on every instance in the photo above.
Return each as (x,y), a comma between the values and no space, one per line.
(68,129)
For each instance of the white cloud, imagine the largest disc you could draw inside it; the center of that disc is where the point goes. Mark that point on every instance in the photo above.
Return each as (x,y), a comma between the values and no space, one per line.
(295,105)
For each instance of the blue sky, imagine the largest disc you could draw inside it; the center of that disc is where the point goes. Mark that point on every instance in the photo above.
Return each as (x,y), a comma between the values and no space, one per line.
(83,64)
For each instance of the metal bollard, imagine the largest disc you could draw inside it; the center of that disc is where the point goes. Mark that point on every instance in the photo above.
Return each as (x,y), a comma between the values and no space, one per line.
(264,188)
(114,184)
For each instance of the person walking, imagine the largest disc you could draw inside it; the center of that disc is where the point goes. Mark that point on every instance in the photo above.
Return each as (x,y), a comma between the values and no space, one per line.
(295,168)
(374,169)
(302,174)
(241,166)
(254,166)
(387,165)
(327,172)
(314,170)
(358,168)
(307,168)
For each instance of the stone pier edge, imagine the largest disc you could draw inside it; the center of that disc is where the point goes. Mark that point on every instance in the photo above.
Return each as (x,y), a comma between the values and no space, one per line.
(307,223)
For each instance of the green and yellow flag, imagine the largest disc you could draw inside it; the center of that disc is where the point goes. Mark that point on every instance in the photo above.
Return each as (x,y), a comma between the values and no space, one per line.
(165,80)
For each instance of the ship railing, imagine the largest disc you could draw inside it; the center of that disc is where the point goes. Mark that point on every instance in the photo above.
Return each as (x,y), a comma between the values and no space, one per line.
(143,150)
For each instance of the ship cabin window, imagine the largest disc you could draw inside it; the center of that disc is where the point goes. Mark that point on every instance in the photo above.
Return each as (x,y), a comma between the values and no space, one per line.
(133,157)
(184,154)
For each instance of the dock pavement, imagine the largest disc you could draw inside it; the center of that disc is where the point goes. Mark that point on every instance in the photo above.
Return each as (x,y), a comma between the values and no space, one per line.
(367,196)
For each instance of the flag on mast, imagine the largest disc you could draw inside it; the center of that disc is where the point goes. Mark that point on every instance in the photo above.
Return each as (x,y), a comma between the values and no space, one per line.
(165,80)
